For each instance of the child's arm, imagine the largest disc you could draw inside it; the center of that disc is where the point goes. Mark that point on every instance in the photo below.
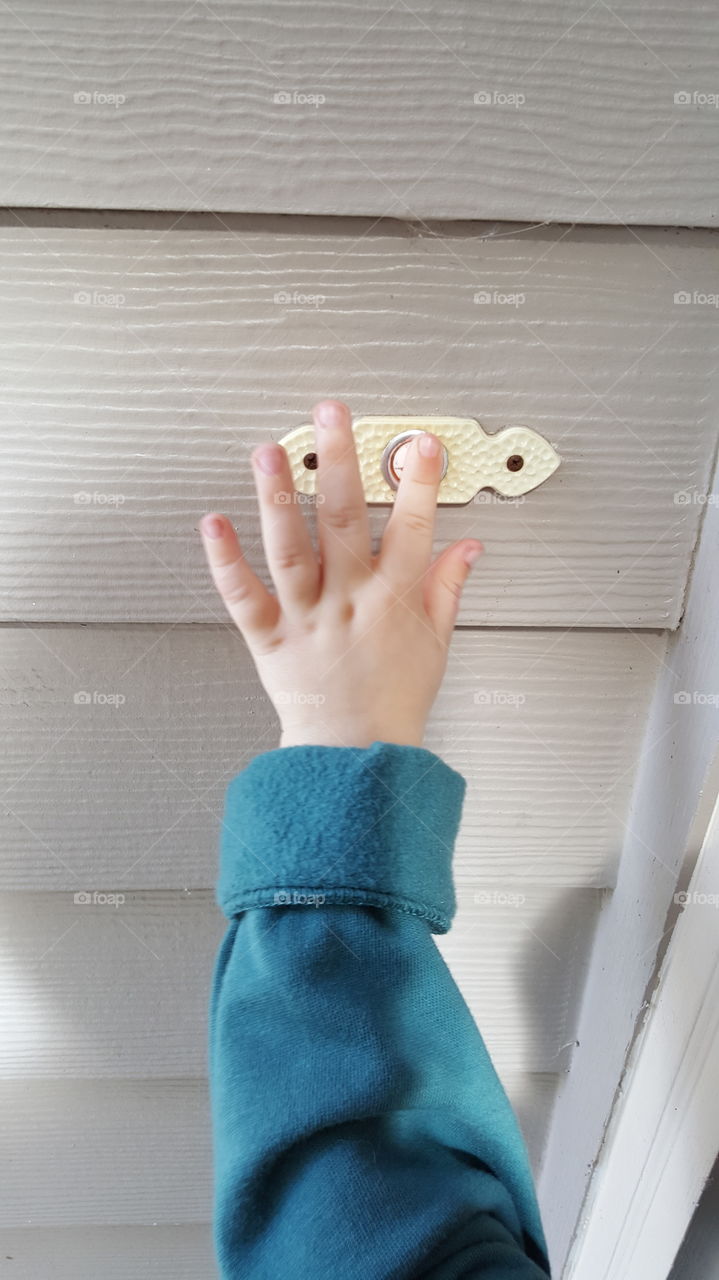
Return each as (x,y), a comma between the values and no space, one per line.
(359,1127)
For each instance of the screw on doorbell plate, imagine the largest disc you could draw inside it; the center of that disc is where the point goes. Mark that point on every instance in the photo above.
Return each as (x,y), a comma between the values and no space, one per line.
(512,461)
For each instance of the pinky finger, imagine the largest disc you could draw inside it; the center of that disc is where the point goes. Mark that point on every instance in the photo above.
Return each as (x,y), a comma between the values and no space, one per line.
(246,599)
(444,583)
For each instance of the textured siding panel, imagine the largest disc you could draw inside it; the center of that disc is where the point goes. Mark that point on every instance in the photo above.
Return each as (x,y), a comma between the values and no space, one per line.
(115,1253)
(103,1151)
(82,1153)
(106,991)
(580,121)
(139,367)
(100,795)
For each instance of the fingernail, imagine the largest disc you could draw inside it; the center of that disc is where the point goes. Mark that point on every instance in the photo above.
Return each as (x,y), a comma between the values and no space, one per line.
(429,446)
(212,526)
(330,414)
(472,553)
(269,459)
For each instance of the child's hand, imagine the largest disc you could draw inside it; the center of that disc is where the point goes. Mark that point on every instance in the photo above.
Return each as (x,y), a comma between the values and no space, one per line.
(353,647)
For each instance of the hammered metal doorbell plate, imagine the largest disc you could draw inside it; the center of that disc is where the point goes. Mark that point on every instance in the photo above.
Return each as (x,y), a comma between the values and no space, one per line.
(512,461)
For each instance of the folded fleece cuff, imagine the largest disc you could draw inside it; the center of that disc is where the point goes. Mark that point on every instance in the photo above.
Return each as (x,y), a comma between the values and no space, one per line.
(373,826)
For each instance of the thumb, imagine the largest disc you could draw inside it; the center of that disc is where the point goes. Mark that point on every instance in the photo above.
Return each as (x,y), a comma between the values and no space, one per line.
(444,583)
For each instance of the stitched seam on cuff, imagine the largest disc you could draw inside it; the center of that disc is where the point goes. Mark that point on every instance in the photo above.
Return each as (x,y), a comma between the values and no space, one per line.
(348,897)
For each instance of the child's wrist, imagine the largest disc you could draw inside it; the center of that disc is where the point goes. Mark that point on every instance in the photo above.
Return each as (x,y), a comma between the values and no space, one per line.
(349,736)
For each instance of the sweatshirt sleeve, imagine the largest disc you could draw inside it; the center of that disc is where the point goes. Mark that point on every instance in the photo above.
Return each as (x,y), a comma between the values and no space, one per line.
(359,1127)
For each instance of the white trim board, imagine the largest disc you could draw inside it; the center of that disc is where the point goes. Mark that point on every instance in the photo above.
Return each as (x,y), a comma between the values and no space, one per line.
(698,1256)
(680,745)
(664,1133)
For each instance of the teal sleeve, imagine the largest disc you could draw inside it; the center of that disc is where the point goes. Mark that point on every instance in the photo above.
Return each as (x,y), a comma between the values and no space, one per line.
(359,1127)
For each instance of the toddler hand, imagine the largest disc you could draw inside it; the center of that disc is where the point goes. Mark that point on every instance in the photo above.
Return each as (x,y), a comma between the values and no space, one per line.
(353,647)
